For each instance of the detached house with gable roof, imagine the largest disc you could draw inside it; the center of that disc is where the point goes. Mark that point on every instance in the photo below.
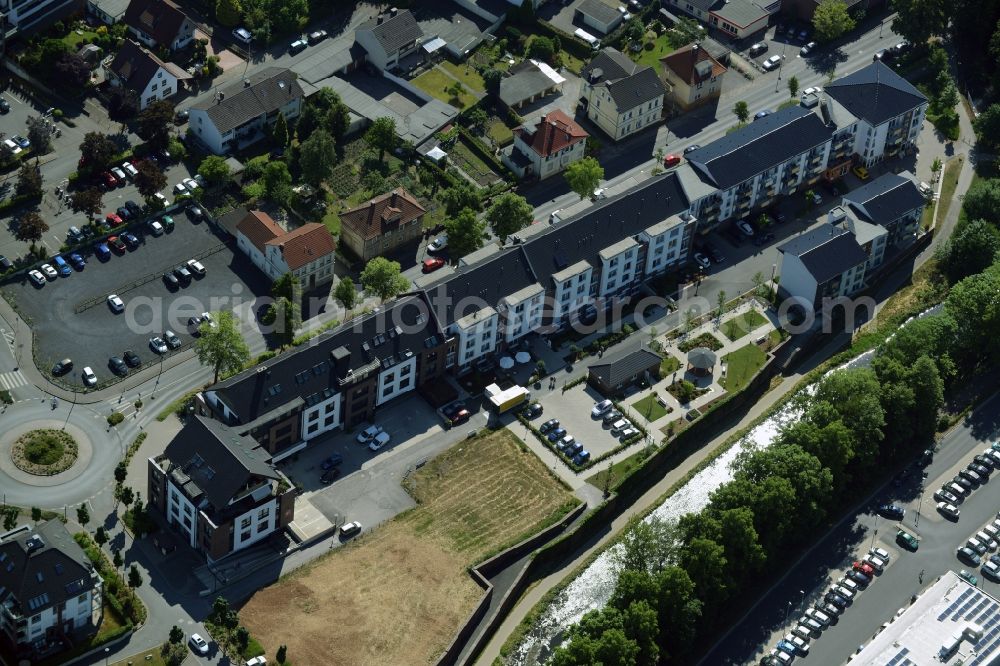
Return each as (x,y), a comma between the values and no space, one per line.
(219,489)
(693,76)
(389,37)
(138,70)
(241,113)
(306,252)
(49,590)
(383,224)
(622,97)
(159,23)
(546,149)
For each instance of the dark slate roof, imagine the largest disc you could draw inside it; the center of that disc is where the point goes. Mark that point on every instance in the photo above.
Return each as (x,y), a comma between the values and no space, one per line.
(269,90)
(886,198)
(826,251)
(135,66)
(482,284)
(875,93)
(525,81)
(628,83)
(600,11)
(42,567)
(614,370)
(228,460)
(761,145)
(394,32)
(604,224)
(314,370)
(160,19)
(739,12)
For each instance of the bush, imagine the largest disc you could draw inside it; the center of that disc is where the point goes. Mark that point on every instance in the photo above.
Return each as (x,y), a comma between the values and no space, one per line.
(114,418)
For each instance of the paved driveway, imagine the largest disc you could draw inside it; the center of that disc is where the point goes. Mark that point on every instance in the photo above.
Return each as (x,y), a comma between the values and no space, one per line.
(70,317)
(572,408)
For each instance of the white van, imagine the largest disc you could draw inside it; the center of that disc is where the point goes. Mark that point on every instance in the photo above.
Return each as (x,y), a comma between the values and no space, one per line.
(594,42)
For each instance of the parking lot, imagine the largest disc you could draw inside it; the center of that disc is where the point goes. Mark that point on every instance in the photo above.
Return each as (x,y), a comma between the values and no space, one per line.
(71,318)
(572,409)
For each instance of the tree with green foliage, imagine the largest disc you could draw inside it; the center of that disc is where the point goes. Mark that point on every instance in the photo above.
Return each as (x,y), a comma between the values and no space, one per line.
(987,125)
(477,118)
(97,150)
(648,546)
(583,176)
(831,20)
(36,514)
(100,536)
(455,91)
(29,180)
(121,472)
(176,635)
(279,133)
(228,12)
(83,514)
(134,577)
(221,347)
(854,396)
(543,48)
(154,123)
(492,79)
(793,86)
(346,293)
(919,20)
(317,157)
(214,169)
(982,201)
(465,233)
(241,637)
(509,214)
(149,179)
(742,111)
(459,197)
(281,654)
(383,278)
(277,181)
(40,133)
(720,304)
(117,559)
(971,249)
(972,303)
(30,228)
(382,136)
(90,202)
(126,496)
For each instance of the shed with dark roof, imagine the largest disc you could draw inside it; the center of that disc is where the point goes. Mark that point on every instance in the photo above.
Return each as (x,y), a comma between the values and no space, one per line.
(616,372)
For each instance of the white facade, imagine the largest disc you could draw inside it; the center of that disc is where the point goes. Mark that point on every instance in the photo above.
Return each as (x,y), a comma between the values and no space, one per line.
(182,513)
(477,335)
(872,143)
(523,312)
(619,268)
(620,123)
(322,417)
(220,142)
(183,37)
(544,166)
(397,380)
(23,14)
(315,272)
(665,244)
(161,86)
(377,55)
(258,258)
(572,290)
(79,612)
(254,525)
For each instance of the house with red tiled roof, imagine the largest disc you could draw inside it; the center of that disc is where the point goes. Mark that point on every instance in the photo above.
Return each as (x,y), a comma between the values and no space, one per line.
(159,23)
(381,225)
(546,148)
(693,76)
(306,252)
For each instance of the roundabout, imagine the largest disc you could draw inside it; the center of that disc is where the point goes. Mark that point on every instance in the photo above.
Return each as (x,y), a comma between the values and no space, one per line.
(44,452)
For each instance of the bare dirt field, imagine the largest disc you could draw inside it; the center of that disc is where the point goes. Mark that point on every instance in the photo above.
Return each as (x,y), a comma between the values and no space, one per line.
(397,595)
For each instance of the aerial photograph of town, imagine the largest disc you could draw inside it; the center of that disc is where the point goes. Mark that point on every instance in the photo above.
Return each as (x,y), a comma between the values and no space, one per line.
(500,332)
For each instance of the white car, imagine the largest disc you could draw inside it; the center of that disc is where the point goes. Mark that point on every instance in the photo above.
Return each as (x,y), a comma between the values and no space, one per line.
(991,569)
(368,434)
(880,553)
(380,440)
(807,49)
(89,378)
(242,34)
(438,244)
(949,510)
(119,174)
(13,147)
(50,272)
(195,267)
(179,189)
(745,228)
(628,432)
(986,540)
(259,660)
(819,616)
(198,178)
(198,644)
(37,278)
(206,318)
(849,584)
(599,194)
(801,644)
(814,90)
(115,303)
(191,184)
(771,63)
(601,407)
(162,199)
(158,345)
(155,227)
(816,198)
(843,591)
(129,170)
(781,656)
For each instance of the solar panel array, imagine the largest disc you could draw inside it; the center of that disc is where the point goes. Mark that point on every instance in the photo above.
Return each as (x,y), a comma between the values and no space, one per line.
(897,660)
(956,602)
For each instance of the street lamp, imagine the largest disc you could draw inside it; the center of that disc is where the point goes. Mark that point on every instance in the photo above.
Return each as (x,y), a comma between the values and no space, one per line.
(107,652)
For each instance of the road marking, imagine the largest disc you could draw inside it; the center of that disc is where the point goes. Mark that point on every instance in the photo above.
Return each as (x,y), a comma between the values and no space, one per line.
(9,337)
(11,380)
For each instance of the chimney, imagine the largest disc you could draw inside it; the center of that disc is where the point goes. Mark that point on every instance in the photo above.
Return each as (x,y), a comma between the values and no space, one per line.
(393,11)
(380,19)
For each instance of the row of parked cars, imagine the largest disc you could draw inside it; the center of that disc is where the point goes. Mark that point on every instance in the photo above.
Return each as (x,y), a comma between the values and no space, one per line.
(976,473)
(564,442)
(825,612)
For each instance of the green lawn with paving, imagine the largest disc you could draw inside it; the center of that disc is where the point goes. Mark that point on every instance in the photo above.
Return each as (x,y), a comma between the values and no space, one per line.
(649,408)
(740,325)
(741,366)
(434,82)
(469,77)
(651,57)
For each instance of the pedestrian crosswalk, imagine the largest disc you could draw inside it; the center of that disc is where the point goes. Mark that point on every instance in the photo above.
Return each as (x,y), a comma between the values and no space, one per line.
(11,380)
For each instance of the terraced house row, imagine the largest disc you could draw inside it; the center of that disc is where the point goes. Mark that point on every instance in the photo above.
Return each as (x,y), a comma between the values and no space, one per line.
(549,276)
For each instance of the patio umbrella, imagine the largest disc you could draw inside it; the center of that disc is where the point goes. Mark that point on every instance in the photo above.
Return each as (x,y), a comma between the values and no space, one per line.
(702,358)
(506,362)
(523,357)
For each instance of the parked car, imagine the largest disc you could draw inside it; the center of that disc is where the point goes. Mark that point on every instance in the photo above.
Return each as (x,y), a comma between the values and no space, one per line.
(317,37)
(943,495)
(548,425)
(431,264)
(533,410)
(812,90)
(807,49)
(155,227)
(119,175)
(380,440)
(671,161)
(332,461)
(134,207)
(297,46)
(195,267)
(102,251)
(117,244)
(757,49)
(702,261)
(582,457)
(89,378)
(438,244)
(968,555)
(117,365)
(556,434)
(328,476)
(183,274)
(861,172)
(350,529)
(368,434)
(745,228)
(49,271)
(764,113)
(880,553)
(172,340)
(37,278)
(690,149)
(129,169)
(158,345)
(198,644)
(115,303)
(62,367)
(627,432)
(907,539)
(892,511)
(771,63)
(611,417)
(600,408)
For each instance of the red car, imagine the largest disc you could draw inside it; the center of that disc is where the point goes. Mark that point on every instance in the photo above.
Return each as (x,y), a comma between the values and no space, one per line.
(671,161)
(461,417)
(864,568)
(117,244)
(432,264)
(108,180)
(113,219)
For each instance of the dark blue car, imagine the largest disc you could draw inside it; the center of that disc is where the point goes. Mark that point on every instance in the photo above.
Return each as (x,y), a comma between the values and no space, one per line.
(581,457)
(102,251)
(77,261)
(556,434)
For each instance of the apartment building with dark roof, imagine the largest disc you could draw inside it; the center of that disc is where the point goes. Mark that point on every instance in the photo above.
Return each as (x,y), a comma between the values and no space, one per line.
(50,594)
(892,201)
(827,262)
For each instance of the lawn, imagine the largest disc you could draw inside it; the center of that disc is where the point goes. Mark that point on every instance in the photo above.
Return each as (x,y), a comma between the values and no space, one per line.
(618,470)
(703,340)
(951,172)
(649,408)
(742,324)
(469,77)
(434,82)
(332,220)
(148,658)
(397,594)
(499,132)
(651,56)
(741,366)
(669,364)
(471,164)
(73,38)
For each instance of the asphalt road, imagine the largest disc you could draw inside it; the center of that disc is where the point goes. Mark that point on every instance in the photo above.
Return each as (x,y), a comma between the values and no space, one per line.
(907,573)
